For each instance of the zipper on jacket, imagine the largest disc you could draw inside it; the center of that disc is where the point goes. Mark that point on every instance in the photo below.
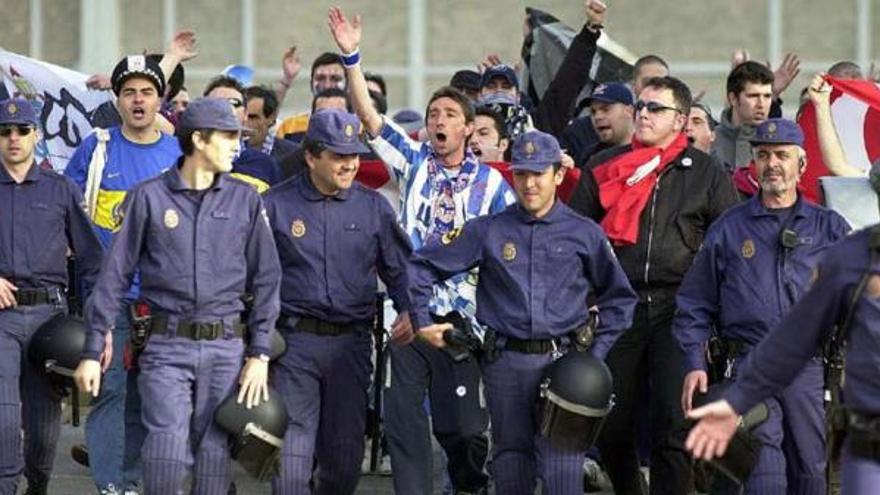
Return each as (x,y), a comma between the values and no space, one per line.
(651,223)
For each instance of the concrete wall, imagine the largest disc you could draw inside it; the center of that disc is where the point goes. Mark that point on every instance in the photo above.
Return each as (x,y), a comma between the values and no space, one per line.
(458,33)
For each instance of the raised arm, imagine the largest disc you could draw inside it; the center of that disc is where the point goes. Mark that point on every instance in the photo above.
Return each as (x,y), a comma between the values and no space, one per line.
(347,35)
(829,142)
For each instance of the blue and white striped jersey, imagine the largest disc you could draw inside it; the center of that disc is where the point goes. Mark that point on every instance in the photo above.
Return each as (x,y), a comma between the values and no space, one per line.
(409,164)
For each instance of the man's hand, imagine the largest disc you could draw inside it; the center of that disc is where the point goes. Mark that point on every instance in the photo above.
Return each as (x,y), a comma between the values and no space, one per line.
(697,379)
(88,376)
(490,61)
(596,12)
(819,91)
(99,82)
(433,334)
(785,73)
(566,161)
(402,330)
(346,34)
(709,438)
(183,46)
(290,66)
(7,294)
(107,353)
(254,382)
(738,56)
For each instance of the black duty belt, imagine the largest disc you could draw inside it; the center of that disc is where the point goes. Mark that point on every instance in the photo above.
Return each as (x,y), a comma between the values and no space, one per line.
(863,435)
(317,326)
(197,330)
(533,346)
(35,297)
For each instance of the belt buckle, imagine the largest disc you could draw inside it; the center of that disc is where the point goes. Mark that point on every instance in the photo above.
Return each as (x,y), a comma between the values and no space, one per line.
(207,331)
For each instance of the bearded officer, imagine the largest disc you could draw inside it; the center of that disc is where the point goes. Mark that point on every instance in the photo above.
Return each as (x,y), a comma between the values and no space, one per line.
(539,263)
(200,239)
(42,216)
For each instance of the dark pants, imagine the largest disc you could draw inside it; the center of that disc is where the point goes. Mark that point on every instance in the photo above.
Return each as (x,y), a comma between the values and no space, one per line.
(181,383)
(27,402)
(519,454)
(647,351)
(458,418)
(858,475)
(323,381)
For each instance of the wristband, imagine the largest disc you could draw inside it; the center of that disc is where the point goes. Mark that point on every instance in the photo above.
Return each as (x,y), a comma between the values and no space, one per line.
(352,59)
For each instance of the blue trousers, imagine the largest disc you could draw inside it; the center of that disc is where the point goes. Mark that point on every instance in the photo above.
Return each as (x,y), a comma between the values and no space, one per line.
(182,382)
(858,475)
(114,433)
(323,381)
(520,455)
(27,401)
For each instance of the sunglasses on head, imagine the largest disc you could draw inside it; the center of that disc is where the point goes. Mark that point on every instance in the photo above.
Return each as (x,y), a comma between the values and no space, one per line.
(21,130)
(653,107)
(235,102)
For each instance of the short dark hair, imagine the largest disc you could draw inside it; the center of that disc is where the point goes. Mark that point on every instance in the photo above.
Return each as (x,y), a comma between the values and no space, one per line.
(680,91)
(847,69)
(331,93)
(496,118)
(379,102)
(648,60)
(326,58)
(378,79)
(745,73)
(467,108)
(270,100)
(223,82)
(184,138)
(312,147)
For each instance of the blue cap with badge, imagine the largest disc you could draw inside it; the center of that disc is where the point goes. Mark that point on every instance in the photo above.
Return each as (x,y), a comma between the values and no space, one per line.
(209,113)
(338,130)
(500,70)
(778,131)
(534,151)
(18,111)
(612,93)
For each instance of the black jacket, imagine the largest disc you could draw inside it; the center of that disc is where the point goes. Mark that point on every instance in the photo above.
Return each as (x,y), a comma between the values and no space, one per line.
(691,193)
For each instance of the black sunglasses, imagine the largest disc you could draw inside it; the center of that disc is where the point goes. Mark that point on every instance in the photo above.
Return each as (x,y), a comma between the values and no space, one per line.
(653,107)
(235,102)
(21,130)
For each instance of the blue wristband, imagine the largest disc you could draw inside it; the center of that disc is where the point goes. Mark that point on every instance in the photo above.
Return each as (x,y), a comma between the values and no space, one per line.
(350,60)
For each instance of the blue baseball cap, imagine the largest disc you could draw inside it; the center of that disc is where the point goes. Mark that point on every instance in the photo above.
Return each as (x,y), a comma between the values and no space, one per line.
(778,131)
(209,113)
(612,93)
(18,111)
(338,130)
(535,151)
(500,70)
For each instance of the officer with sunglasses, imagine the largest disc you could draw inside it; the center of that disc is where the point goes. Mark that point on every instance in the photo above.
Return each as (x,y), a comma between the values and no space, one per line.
(42,216)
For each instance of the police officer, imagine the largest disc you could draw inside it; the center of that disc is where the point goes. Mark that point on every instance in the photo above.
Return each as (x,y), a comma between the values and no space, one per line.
(844,295)
(539,263)
(200,239)
(332,236)
(42,216)
(755,263)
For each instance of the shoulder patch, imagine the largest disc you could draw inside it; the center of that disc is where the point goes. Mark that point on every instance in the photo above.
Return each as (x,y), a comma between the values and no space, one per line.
(450,236)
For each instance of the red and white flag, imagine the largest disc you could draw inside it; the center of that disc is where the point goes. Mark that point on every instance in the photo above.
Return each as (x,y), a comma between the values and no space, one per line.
(855,108)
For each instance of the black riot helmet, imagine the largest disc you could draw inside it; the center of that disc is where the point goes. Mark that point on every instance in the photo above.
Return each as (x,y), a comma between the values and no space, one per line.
(744,448)
(56,346)
(578,393)
(257,433)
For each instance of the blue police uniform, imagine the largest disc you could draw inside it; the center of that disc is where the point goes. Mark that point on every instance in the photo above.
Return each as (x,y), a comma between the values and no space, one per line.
(41,217)
(781,356)
(754,265)
(536,278)
(197,252)
(331,248)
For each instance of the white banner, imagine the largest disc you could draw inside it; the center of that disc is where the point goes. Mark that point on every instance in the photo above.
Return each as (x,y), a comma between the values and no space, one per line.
(60,98)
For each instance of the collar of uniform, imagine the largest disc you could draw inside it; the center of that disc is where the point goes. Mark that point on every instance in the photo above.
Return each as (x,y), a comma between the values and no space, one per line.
(757,209)
(32,175)
(311,193)
(175,181)
(550,217)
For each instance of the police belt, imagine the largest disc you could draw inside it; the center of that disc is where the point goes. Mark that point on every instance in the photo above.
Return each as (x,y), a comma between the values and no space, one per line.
(35,297)
(197,330)
(863,435)
(533,346)
(317,326)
